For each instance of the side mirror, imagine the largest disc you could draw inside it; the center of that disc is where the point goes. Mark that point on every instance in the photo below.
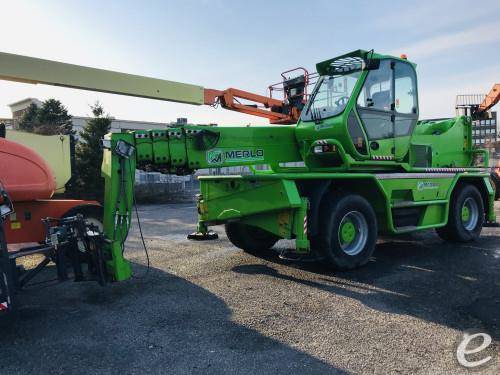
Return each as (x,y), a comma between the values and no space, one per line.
(369,102)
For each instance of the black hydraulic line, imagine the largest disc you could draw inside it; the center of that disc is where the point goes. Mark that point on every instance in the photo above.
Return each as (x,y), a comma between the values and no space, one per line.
(140,231)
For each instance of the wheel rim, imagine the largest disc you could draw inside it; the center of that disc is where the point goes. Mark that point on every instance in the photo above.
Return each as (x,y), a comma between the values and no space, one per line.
(470,214)
(353,233)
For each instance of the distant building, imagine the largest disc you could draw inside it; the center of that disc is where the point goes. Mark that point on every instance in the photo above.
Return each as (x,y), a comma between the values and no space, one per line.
(117,126)
(181,121)
(485,132)
(7,122)
(19,108)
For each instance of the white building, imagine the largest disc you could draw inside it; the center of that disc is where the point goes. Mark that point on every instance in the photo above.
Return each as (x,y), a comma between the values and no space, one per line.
(19,108)
(117,125)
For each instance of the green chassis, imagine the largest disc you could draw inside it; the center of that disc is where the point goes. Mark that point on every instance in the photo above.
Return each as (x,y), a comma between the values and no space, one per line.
(284,211)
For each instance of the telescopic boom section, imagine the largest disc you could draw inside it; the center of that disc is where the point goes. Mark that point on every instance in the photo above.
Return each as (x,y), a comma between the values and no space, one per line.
(33,70)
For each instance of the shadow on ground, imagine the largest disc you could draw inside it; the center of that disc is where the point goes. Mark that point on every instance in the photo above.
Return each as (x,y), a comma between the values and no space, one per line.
(162,324)
(452,285)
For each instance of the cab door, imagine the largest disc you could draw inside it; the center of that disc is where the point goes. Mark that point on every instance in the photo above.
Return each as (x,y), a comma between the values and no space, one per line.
(375,106)
(405,107)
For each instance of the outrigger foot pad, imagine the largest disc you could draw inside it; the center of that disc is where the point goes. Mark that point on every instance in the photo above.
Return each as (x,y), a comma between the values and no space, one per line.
(203,236)
(291,255)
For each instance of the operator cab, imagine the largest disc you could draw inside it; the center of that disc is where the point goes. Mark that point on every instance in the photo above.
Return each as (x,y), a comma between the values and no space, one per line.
(364,106)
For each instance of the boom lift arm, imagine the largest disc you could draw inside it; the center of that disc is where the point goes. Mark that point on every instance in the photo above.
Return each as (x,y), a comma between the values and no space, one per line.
(491,99)
(33,70)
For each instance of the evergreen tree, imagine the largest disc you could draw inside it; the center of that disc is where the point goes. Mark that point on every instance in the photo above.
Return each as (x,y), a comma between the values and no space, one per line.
(28,119)
(50,119)
(89,154)
(53,118)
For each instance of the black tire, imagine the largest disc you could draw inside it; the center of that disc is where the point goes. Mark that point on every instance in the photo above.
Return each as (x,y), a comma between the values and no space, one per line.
(458,229)
(250,239)
(336,213)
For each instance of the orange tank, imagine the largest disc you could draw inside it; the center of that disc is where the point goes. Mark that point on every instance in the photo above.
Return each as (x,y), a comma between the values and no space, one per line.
(25,174)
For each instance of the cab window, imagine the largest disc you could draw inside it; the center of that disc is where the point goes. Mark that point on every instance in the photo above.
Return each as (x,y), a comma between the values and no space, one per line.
(375,102)
(405,84)
(405,99)
(377,89)
(330,96)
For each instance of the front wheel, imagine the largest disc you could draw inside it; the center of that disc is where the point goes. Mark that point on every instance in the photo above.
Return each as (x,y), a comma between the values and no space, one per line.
(465,217)
(348,231)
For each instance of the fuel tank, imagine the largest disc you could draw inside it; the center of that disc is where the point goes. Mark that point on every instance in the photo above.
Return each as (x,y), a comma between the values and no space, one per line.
(24,174)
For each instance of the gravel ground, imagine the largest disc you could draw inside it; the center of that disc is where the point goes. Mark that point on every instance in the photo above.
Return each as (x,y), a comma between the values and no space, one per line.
(208,308)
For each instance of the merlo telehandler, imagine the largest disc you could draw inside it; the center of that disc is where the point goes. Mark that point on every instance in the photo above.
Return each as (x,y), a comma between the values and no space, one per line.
(357,163)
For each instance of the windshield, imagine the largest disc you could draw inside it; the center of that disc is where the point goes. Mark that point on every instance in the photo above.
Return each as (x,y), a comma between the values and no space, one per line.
(330,96)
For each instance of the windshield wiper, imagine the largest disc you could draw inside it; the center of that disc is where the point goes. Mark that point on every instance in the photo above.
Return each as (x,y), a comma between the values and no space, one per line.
(310,105)
(316,115)
(313,113)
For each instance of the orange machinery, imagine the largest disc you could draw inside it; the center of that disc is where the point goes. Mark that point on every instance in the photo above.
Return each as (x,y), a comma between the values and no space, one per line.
(30,184)
(491,99)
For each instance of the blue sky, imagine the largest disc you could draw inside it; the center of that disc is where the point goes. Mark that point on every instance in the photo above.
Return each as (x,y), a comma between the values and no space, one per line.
(247,44)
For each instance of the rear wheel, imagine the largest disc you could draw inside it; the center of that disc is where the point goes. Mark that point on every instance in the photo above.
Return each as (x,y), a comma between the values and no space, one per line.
(250,239)
(465,217)
(348,231)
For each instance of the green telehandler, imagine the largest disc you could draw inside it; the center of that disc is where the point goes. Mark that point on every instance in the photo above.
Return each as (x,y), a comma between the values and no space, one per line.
(358,162)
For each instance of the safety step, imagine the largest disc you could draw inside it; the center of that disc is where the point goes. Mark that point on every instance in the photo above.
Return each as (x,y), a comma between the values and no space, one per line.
(401,204)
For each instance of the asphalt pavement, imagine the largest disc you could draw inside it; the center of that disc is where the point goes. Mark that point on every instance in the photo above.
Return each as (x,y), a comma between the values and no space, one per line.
(208,308)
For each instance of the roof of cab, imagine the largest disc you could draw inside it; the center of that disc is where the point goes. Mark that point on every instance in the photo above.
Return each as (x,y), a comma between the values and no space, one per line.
(350,61)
